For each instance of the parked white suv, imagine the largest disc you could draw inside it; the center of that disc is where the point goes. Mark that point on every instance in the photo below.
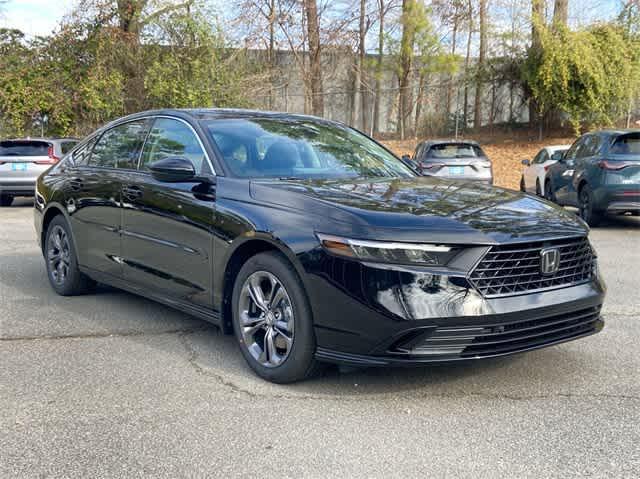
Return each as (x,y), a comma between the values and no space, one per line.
(22,161)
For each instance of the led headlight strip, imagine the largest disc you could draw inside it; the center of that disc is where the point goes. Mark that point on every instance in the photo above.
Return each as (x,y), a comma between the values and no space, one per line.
(388,252)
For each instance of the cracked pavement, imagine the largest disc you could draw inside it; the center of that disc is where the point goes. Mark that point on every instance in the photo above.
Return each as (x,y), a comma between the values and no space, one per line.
(112,385)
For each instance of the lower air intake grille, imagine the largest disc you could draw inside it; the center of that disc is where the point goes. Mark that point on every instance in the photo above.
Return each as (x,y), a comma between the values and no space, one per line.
(517,268)
(502,338)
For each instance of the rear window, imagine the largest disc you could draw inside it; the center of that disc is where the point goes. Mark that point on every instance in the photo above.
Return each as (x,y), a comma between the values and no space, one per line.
(24,148)
(455,151)
(67,146)
(628,144)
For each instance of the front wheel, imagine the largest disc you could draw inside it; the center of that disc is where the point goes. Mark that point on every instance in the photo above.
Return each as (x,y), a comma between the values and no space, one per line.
(272,319)
(6,200)
(522,185)
(538,189)
(587,208)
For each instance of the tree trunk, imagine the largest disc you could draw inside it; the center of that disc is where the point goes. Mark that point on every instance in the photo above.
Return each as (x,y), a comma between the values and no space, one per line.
(271,53)
(361,64)
(406,60)
(466,67)
(477,112)
(315,68)
(453,52)
(419,101)
(377,99)
(560,12)
(537,17)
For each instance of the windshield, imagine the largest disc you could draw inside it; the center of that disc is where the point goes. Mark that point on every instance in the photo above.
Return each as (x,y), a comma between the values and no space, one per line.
(455,150)
(300,148)
(24,148)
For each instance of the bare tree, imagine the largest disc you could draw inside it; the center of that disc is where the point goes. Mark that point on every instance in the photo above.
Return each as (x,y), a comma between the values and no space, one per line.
(477,112)
(407,43)
(384,7)
(315,51)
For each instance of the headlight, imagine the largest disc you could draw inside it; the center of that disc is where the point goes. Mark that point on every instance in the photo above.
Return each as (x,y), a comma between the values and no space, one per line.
(388,252)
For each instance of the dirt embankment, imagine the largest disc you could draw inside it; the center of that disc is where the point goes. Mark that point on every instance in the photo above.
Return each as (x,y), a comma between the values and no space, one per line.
(506,155)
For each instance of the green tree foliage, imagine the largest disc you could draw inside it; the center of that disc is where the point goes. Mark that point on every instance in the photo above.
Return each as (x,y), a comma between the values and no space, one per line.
(91,71)
(191,65)
(589,74)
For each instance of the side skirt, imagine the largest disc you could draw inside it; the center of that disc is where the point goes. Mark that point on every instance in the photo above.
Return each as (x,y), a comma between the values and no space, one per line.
(200,313)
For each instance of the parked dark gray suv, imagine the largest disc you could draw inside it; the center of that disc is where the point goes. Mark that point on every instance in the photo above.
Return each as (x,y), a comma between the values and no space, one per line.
(599,174)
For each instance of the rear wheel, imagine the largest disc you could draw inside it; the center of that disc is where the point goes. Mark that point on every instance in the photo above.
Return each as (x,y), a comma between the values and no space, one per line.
(61,260)
(548,191)
(272,319)
(538,189)
(6,200)
(522,186)
(587,208)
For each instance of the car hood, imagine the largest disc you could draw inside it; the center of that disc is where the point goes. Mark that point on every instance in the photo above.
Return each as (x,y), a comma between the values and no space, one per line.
(410,208)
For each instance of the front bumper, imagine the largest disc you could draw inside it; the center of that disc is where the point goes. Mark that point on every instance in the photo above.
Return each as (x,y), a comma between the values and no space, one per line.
(379,317)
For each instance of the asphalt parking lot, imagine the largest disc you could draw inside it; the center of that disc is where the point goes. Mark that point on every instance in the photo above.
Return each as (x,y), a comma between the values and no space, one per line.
(112,385)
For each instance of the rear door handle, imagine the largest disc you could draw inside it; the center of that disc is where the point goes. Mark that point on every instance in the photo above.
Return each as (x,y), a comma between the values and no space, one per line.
(132,192)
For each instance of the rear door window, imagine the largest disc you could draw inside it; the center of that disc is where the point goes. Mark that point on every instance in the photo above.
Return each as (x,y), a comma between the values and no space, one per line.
(67,146)
(24,148)
(628,144)
(80,157)
(120,146)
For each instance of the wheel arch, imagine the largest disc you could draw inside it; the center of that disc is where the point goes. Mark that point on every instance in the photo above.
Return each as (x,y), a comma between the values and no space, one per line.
(51,211)
(238,256)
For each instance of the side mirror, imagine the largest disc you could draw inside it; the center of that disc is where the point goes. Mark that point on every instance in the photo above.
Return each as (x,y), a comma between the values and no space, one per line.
(526,162)
(173,170)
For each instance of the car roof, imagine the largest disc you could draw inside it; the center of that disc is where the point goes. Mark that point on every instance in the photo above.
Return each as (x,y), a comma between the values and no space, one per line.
(554,148)
(613,132)
(219,113)
(48,140)
(452,141)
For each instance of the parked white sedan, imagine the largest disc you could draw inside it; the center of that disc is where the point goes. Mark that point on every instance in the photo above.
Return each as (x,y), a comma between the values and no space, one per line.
(533,176)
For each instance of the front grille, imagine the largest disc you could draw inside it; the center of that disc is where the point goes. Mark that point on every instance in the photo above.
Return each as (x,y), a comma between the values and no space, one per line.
(502,338)
(515,269)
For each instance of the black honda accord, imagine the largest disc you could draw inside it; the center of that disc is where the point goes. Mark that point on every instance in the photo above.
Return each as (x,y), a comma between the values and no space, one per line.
(312,243)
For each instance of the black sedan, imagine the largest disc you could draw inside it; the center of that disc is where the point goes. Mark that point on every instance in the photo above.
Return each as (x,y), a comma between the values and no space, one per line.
(312,243)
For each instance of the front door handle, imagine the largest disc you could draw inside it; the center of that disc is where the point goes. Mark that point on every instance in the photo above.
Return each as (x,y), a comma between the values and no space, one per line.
(131,192)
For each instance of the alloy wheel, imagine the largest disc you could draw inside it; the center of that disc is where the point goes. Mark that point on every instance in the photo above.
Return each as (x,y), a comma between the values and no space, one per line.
(266,318)
(58,254)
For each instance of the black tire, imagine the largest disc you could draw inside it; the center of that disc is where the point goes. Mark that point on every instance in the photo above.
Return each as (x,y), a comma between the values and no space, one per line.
(588,212)
(548,191)
(300,362)
(62,262)
(6,200)
(538,189)
(522,186)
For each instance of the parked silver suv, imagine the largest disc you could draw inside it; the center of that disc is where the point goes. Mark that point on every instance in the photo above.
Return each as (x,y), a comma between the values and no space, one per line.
(22,161)
(452,159)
